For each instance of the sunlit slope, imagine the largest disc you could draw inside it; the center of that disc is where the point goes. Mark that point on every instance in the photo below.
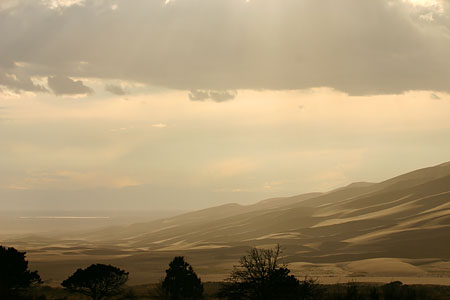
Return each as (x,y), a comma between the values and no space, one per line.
(407,216)
(228,216)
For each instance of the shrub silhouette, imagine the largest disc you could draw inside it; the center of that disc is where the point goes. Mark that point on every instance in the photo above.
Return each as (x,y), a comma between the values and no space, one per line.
(309,289)
(396,290)
(374,294)
(352,292)
(260,277)
(97,281)
(14,273)
(181,282)
(393,290)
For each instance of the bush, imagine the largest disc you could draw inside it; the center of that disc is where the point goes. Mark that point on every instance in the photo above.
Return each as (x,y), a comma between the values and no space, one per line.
(97,281)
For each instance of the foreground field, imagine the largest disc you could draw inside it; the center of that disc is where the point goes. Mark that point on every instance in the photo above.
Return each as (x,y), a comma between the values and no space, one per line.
(344,291)
(216,265)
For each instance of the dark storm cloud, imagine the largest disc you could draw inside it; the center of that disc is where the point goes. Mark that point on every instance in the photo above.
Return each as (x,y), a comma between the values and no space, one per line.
(359,47)
(62,85)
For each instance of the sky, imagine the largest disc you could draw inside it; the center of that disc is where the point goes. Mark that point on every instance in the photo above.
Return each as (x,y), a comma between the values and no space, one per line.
(186,104)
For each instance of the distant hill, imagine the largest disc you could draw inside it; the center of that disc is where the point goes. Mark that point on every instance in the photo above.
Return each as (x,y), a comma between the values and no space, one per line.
(398,217)
(403,221)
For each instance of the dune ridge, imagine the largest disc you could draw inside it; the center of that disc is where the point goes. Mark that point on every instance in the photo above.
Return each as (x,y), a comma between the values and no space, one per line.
(368,229)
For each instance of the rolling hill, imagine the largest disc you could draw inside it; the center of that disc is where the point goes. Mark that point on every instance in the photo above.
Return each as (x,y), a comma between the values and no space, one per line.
(393,218)
(399,225)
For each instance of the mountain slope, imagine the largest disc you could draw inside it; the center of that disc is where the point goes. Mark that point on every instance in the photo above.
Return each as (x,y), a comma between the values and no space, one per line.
(402,223)
(360,220)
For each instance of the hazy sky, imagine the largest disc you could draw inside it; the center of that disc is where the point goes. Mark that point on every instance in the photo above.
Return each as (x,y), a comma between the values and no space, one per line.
(191,103)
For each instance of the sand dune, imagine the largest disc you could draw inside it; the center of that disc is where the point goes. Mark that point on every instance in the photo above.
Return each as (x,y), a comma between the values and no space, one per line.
(364,229)
(384,267)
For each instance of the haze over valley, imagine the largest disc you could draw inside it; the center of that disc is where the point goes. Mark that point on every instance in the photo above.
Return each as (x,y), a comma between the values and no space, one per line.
(395,228)
(135,132)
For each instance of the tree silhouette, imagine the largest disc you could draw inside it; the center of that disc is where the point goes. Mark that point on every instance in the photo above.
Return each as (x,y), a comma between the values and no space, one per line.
(14,273)
(97,281)
(181,282)
(260,277)
(374,294)
(352,291)
(310,289)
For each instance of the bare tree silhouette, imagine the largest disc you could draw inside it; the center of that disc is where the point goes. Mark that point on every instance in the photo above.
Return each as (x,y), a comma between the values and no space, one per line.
(260,276)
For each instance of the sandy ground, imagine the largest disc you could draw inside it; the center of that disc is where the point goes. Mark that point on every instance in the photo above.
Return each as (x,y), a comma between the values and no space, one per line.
(149,267)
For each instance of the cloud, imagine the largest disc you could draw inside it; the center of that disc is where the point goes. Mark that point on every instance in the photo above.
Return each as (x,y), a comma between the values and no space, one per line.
(57,4)
(72,179)
(159,125)
(229,168)
(62,85)
(358,47)
(434,96)
(217,96)
(115,89)
(19,81)
(198,95)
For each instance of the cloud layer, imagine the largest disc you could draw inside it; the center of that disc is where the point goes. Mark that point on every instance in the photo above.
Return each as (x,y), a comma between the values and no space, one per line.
(115,89)
(217,96)
(62,85)
(359,47)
